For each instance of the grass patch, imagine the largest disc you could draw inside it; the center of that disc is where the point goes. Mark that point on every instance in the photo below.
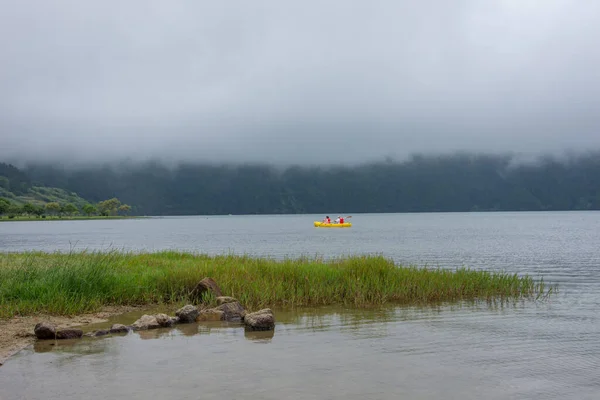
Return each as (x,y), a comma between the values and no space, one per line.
(80,282)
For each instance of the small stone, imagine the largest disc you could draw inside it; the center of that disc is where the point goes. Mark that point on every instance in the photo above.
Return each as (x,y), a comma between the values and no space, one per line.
(45,330)
(164,320)
(187,314)
(102,332)
(69,334)
(262,320)
(145,322)
(119,328)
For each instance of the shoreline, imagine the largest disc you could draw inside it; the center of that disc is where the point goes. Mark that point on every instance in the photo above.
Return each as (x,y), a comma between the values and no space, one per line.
(75,218)
(16,333)
(101,285)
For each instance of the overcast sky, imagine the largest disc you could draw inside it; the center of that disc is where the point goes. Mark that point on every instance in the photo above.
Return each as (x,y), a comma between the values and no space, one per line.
(298,81)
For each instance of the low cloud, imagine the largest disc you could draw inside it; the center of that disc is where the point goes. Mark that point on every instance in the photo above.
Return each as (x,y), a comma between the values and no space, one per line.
(312,82)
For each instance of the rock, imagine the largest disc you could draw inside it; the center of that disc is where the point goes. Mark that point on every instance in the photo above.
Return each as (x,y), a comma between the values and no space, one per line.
(262,320)
(119,328)
(145,322)
(212,314)
(165,321)
(225,300)
(44,330)
(102,332)
(206,285)
(69,334)
(187,314)
(233,312)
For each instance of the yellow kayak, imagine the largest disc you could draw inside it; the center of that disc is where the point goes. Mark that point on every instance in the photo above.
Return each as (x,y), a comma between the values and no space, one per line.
(319,224)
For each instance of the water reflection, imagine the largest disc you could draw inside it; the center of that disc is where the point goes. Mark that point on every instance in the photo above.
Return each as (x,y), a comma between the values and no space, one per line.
(467,351)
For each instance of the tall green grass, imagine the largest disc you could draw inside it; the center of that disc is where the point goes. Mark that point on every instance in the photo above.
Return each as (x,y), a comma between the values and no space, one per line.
(84,282)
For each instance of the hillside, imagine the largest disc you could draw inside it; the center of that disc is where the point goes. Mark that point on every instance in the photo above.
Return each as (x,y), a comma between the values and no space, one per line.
(455,182)
(21,197)
(17,187)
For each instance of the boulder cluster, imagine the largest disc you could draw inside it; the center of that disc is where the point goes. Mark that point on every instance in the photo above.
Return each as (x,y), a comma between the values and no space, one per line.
(227,309)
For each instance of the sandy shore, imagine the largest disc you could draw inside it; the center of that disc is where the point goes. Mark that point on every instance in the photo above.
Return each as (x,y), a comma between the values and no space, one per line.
(17,333)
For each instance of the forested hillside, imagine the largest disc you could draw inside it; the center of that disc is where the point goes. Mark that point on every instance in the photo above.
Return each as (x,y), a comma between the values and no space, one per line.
(21,197)
(459,182)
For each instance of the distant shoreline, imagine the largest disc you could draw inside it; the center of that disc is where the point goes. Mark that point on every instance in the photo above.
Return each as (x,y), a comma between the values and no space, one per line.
(75,218)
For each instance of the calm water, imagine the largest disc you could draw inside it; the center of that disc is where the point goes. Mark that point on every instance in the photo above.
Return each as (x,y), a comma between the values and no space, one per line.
(527,350)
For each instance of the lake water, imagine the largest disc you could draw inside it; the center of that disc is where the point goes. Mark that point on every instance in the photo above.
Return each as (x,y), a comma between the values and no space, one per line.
(544,350)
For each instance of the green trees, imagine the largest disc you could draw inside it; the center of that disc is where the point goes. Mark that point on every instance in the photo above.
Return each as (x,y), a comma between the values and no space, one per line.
(69,209)
(109,207)
(89,210)
(124,209)
(4,205)
(53,208)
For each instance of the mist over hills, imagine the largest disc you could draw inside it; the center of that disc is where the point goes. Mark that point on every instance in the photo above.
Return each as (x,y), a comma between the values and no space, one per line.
(451,182)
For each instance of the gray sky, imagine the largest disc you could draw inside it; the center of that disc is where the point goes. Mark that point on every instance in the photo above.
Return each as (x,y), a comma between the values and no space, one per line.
(309,81)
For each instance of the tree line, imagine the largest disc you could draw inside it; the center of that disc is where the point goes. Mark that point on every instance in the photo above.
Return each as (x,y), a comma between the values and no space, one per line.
(110,207)
(455,182)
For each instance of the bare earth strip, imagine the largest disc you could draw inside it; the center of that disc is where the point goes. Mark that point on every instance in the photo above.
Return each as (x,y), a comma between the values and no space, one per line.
(17,333)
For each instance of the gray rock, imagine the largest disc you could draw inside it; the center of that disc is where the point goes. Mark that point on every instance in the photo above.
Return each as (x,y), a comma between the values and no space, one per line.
(44,330)
(164,320)
(119,328)
(225,299)
(262,320)
(145,322)
(206,285)
(187,314)
(233,312)
(102,332)
(69,334)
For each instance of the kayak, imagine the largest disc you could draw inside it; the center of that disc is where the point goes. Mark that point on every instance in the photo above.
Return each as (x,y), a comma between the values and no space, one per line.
(319,224)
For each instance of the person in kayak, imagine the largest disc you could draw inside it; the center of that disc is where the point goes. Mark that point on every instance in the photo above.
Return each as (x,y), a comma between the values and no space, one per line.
(339,220)
(327,220)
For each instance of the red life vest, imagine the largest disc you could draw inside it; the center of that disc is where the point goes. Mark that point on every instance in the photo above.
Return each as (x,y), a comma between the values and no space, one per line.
(341,220)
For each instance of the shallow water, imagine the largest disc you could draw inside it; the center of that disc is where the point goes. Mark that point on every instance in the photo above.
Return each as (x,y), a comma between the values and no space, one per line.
(528,350)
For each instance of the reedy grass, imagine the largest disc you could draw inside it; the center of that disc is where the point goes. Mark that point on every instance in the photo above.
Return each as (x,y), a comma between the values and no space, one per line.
(80,282)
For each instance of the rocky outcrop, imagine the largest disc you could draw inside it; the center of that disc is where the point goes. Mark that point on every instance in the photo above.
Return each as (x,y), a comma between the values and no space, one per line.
(206,285)
(119,328)
(187,314)
(165,321)
(44,330)
(145,322)
(232,312)
(229,309)
(262,320)
(69,333)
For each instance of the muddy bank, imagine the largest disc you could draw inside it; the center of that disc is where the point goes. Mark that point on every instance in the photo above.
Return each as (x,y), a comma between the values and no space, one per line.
(17,333)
